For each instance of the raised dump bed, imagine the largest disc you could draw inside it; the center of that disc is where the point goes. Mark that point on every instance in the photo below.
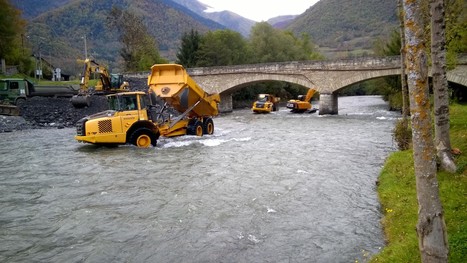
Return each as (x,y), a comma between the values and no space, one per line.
(172,83)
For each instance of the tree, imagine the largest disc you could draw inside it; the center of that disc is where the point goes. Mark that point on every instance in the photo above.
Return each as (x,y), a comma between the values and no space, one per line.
(431,228)
(309,48)
(12,35)
(456,29)
(402,130)
(187,54)
(274,45)
(221,48)
(405,93)
(440,86)
(140,50)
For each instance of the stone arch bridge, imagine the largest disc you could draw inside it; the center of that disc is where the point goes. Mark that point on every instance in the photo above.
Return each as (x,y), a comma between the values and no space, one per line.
(326,77)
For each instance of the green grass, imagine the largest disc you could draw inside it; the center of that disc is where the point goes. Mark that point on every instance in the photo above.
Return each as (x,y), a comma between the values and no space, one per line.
(398,199)
(92,82)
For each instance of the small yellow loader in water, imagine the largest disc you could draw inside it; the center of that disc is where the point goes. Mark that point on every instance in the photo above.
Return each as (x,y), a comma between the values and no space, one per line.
(266,103)
(302,103)
(133,117)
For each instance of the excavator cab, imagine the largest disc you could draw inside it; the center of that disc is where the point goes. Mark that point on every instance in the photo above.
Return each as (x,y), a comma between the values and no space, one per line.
(116,80)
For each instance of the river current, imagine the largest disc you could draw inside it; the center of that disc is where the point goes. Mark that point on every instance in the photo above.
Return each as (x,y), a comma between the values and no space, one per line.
(277,187)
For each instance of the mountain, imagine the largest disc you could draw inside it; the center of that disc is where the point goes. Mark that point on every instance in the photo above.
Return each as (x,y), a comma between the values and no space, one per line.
(228,19)
(57,28)
(33,8)
(347,24)
(281,22)
(60,30)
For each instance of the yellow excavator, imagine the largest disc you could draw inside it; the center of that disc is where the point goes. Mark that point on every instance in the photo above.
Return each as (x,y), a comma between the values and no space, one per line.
(107,84)
(134,118)
(302,103)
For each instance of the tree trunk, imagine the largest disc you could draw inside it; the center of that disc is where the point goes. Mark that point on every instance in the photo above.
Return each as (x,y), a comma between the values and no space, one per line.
(431,229)
(440,86)
(405,93)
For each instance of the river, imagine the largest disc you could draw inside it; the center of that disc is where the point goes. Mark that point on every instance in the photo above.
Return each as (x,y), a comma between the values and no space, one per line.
(277,187)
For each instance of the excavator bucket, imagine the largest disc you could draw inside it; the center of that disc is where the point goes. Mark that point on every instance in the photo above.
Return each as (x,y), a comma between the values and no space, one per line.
(81,101)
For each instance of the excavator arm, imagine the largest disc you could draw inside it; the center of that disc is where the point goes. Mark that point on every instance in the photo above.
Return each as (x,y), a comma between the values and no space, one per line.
(309,95)
(104,86)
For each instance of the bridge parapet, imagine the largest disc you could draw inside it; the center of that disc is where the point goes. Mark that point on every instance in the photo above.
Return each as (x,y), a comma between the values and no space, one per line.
(362,63)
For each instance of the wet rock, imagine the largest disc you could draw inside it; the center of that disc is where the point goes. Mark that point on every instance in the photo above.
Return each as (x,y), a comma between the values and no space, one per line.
(12,123)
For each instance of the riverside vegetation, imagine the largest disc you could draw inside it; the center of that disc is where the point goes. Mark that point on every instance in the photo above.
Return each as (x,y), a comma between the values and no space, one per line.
(397,193)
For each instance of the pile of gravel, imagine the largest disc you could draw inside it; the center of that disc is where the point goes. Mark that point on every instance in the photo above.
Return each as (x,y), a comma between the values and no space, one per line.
(44,112)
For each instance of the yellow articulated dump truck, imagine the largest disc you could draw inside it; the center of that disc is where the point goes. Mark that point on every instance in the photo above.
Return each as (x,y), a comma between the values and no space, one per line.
(302,103)
(134,118)
(266,103)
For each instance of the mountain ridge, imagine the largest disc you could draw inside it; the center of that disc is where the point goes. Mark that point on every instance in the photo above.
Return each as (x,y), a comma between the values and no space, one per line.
(336,25)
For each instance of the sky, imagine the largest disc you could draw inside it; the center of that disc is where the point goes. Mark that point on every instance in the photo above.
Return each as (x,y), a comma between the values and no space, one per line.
(260,10)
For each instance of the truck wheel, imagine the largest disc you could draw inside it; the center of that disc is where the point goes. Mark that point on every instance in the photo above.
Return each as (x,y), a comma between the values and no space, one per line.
(195,127)
(199,129)
(208,126)
(143,137)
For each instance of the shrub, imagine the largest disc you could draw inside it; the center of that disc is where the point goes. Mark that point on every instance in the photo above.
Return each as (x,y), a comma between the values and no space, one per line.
(402,134)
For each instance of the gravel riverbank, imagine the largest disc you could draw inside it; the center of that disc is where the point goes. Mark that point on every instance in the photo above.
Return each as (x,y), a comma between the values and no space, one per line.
(44,112)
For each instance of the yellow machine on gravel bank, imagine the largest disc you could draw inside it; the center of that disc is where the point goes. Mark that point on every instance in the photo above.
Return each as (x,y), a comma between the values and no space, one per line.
(134,118)
(108,83)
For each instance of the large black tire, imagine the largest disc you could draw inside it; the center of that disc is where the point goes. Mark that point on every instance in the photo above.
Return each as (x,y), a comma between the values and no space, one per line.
(143,137)
(195,127)
(208,126)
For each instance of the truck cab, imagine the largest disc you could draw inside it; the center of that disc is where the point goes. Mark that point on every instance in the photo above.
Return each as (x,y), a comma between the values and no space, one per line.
(14,90)
(127,120)
(265,103)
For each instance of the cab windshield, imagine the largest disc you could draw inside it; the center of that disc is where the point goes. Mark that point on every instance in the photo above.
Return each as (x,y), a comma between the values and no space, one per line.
(262,98)
(122,102)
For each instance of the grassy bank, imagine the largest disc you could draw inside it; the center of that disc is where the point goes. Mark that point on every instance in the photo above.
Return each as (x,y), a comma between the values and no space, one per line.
(398,199)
